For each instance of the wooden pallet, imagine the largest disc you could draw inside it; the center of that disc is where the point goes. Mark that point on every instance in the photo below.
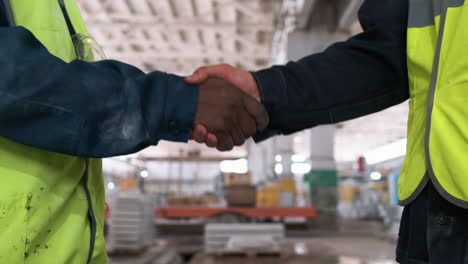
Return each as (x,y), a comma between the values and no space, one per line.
(128,252)
(252,254)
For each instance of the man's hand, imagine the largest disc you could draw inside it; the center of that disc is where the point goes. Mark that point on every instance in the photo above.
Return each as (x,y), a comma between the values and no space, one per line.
(237,77)
(228,114)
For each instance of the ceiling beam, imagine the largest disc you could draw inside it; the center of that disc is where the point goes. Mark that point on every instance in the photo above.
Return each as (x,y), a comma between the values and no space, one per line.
(303,17)
(347,10)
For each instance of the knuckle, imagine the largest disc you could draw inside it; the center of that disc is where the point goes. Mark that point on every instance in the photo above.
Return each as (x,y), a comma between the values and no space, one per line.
(221,148)
(240,142)
(228,147)
(224,66)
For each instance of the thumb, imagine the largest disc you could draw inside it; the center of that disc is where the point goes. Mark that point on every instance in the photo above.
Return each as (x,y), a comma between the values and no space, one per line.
(220,71)
(198,76)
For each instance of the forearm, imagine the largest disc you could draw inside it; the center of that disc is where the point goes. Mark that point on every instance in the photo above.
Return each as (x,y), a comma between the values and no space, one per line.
(87,109)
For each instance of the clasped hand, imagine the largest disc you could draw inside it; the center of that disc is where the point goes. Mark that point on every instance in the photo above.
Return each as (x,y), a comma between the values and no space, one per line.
(229,108)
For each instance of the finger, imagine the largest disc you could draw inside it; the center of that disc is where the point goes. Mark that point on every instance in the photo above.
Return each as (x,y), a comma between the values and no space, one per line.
(257,111)
(221,71)
(197,77)
(247,124)
(199,133)
(191,134)
(237,135)
(225,142)
(211,141)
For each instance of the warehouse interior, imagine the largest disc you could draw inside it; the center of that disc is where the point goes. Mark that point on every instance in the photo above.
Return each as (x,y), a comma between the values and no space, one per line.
(324,195)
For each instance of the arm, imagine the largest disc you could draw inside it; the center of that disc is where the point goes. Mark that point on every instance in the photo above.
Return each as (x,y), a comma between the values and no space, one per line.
(87,109)
(350,79)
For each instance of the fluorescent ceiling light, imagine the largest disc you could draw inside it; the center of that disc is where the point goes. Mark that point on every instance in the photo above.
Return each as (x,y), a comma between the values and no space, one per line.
(144,173)
(278,158)
(376,176)
(111,186)
(279,168)
(391,151)
(234,166)
(300,168)
(298,158)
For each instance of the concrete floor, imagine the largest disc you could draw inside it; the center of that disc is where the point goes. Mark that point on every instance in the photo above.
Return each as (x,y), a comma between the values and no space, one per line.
(357,242)
(325,250)
(321,250)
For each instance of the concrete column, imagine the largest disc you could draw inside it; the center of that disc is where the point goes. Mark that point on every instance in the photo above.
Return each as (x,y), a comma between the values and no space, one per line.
(284,146)
(322,179)
(261,159)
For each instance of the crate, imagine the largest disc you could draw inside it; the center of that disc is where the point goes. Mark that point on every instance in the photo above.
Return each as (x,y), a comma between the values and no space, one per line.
(241,195)
(269,197)
(237,179)
(287,185)
(287,199)
(128,184)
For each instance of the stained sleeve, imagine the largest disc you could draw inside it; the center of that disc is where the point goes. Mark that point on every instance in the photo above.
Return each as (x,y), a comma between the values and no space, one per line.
(84,109)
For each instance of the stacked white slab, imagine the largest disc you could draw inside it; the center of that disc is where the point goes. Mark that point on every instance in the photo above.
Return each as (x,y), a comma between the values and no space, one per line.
(131,222)
(240,238)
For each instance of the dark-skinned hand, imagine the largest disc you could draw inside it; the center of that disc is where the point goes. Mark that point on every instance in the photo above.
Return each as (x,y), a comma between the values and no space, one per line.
(228,113)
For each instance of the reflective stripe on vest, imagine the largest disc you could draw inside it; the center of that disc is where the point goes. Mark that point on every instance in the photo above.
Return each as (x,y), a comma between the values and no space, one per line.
(45,196)
(438,117)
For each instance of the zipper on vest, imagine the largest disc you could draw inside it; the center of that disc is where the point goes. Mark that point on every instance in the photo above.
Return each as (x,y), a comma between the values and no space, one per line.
(71,28)
(91,215)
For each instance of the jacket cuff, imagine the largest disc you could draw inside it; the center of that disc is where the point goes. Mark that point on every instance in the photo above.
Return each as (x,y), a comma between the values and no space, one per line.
(180,109)
(272,86)
(266,134)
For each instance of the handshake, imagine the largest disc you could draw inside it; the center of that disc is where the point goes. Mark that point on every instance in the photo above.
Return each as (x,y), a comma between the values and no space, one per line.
(229,108)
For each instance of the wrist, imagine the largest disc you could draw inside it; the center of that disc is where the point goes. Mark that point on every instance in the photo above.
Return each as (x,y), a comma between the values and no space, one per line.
(271,86)
(254,90)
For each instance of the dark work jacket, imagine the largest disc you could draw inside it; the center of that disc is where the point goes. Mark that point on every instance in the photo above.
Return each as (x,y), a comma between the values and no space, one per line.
(85,109)
(363,75)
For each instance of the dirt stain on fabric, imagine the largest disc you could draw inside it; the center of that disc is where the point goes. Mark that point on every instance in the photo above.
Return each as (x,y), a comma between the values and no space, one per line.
(28,202)
(26,240)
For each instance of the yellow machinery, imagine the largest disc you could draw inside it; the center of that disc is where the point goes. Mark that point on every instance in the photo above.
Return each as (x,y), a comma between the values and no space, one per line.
(278,193)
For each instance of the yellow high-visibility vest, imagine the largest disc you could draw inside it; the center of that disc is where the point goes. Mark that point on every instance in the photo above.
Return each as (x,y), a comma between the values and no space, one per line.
(437,148)
(51,205)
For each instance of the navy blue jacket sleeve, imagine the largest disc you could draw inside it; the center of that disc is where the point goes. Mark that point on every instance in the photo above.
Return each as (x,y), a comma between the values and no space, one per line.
(363,75)
(86,109)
